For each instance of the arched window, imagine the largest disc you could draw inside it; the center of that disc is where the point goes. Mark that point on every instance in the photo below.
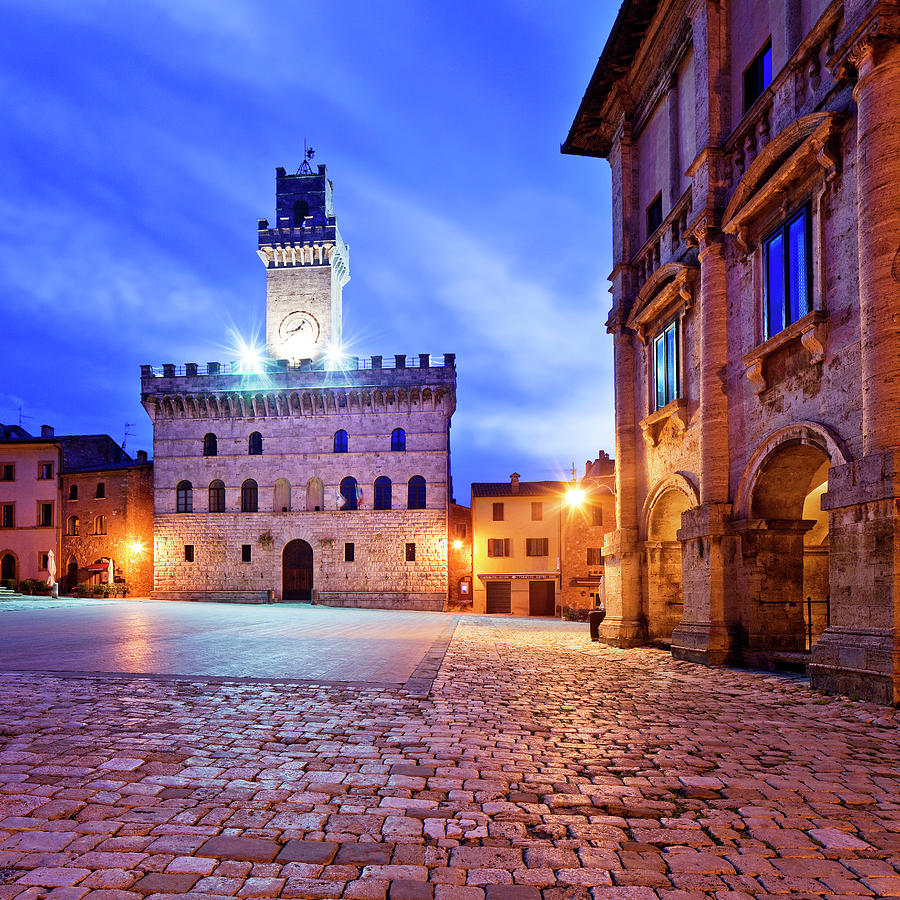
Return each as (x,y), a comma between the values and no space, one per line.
(398,439)
(100,525)
(383,492)
(184,495)
(210,445)
(315,495)
(249,496)
(217,496)
(101,490)
(301,211)
(255,446)
(282,499)
(350,493)
(73,492)
(340,441)
(416,494)
(72,526)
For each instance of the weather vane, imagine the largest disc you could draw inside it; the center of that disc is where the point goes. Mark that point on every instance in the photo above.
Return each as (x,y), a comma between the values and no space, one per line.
(308,154)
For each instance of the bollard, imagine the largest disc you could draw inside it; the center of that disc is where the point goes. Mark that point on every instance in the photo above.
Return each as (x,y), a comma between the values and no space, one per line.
(595,617)
(270,596)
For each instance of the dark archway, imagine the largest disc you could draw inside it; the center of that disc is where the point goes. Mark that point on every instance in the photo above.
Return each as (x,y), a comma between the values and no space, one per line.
(8,568)
(296,572)
(72,574)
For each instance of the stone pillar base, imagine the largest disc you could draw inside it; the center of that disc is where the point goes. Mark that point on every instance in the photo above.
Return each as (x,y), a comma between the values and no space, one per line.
(619,632)
(624,625)
(701,642)
(858,664)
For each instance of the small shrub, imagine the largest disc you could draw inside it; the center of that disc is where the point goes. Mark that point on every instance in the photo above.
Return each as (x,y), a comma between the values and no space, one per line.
(83,589)
(34,586)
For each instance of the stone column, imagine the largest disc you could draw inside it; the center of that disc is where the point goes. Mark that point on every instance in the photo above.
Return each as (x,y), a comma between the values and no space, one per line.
(859,653)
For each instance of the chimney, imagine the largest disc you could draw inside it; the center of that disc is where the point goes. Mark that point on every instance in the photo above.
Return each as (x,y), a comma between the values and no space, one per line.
(514,482)
(142,456)
(47,431)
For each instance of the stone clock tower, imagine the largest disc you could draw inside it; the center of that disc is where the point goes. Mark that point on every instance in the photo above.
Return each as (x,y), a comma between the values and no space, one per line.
(307,265)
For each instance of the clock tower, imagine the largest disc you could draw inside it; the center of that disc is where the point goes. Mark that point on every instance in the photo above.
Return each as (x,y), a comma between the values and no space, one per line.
(307,265)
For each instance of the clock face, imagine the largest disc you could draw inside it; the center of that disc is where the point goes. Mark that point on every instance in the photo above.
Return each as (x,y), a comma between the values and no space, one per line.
(298,332)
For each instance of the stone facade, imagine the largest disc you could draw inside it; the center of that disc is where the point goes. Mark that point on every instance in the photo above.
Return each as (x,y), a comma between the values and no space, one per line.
(756,203)
(518,529)
(310,475)
(107,513)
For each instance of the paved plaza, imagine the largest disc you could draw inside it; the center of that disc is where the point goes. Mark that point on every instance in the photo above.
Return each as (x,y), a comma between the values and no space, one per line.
(515,761)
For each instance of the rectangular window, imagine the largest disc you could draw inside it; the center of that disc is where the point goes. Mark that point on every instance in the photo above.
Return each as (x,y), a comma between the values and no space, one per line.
(537,547)
(8,472)
(498,512)
(537,512)
(43,560)
(757,76)
(245,553)
(101,490)
(665,365)
(349,552)
(8,517)
(498,546)
(462,531)
(788,273)
(45,471)
(594,556)
(188,552)
(654,215)
(410,552)
(596,515)
(45,515)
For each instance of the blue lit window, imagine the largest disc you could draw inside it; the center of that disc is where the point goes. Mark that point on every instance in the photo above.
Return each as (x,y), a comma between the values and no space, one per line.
(382,492)
(398,439)
(415,498)
(665,366)
(350,493)
(758,76)
(340,441)
(788,273)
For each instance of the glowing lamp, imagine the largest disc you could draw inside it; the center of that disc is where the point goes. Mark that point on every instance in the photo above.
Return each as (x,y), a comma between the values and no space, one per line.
(457,544)
(136,548)
(574,496)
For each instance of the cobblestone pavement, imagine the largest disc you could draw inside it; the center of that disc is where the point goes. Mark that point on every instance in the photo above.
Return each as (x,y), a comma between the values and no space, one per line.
(540,766)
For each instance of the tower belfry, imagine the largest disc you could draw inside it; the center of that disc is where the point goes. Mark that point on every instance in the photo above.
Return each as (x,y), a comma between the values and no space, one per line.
(307,265)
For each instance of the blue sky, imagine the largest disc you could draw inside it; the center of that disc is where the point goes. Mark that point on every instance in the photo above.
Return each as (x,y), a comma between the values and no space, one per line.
(140,143)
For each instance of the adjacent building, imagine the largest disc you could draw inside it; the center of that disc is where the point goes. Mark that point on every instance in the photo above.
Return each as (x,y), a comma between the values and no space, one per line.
(81,497)
(307,474)
(756,210)
(537,545)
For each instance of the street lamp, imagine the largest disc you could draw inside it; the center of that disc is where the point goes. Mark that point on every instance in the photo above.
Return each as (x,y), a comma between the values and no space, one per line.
(573,498)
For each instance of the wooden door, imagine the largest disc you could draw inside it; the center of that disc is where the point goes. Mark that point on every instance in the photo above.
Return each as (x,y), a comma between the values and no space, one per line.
(541,598)
(498,596)
(297,573)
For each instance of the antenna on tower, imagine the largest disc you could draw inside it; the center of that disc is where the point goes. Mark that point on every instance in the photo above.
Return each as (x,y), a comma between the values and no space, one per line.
(127,433)
(308,154)
(23,418)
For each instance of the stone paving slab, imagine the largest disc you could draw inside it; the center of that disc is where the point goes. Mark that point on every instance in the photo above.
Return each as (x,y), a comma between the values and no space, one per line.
(540,765)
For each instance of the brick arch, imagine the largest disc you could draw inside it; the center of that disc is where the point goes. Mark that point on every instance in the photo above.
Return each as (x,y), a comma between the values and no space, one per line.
(677,481)
(810,434)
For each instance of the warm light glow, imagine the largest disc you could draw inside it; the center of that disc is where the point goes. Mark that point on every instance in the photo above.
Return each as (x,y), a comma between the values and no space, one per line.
(136,548)
(457,544)
(250,356)
(574,496)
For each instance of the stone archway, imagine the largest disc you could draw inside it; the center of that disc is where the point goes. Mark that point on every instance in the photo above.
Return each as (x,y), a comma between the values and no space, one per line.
(7,567)
(785,549)
(296,572)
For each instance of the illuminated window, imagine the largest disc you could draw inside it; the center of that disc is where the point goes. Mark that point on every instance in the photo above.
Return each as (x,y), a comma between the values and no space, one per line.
(537,546)
(184,497)
(665,366)
(249,496)
(757,76)
(100,525)
(398,439)
(217,496)
(416,493)
(254,447)
(383,492)
(788,273)
(350,493)
(340,441)
(72,526)
(210,445)
(101,490)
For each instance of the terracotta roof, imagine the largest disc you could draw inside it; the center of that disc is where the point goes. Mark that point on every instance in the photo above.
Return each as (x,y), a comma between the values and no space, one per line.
(586,136)
(525,488)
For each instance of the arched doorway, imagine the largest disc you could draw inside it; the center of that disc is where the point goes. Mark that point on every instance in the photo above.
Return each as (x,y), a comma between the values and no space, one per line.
(71,574)
(786,550)
(296,572)
(7,567)
(665,601)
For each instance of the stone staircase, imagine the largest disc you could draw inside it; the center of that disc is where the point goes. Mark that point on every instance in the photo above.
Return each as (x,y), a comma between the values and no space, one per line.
(9,594)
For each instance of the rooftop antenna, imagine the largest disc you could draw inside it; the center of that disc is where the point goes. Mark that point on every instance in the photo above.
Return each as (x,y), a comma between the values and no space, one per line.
(308,154)
(23,418)
(127,433)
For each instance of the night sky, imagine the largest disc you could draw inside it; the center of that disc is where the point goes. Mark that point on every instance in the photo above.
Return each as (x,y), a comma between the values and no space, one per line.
(139,146)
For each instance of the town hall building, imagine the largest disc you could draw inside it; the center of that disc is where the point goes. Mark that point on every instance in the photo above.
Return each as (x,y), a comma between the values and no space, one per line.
(310,475)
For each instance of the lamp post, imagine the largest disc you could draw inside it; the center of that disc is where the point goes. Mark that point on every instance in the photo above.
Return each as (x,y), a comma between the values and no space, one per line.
(573,499)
